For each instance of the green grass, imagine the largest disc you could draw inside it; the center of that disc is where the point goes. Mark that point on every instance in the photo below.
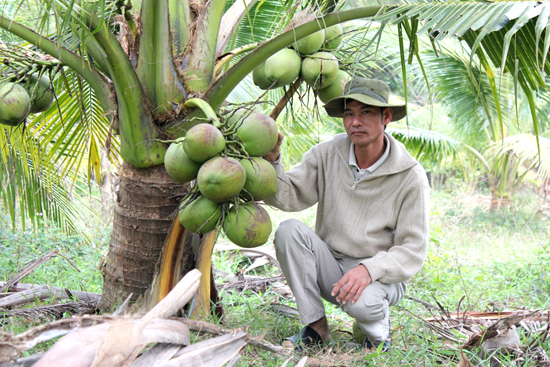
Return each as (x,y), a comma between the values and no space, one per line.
(478,259)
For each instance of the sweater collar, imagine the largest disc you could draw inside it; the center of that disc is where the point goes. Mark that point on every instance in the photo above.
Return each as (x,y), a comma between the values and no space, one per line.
(398,161)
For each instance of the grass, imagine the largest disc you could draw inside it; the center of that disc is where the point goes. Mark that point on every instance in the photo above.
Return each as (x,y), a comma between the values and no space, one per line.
(478,259)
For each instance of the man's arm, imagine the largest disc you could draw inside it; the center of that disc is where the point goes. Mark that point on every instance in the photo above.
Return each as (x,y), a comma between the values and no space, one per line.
(410,238)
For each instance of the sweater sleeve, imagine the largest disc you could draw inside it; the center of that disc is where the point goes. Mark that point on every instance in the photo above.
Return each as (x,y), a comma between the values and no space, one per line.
(406,257)
(298,188)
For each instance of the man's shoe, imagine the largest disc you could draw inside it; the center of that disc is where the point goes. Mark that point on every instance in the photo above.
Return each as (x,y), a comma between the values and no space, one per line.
(307,337)
(361,338)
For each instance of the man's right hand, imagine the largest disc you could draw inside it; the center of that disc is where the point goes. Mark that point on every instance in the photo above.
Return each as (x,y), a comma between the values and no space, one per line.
(276,151)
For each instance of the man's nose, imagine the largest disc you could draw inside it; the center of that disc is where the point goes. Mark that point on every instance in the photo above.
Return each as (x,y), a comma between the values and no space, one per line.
(356,120)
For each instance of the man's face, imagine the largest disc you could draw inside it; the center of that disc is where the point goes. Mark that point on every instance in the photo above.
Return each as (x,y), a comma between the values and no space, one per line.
(364,124)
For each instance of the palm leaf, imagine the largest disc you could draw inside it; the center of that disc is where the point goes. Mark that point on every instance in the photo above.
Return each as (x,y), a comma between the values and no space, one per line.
(523,148)
(37,188)
(73,131)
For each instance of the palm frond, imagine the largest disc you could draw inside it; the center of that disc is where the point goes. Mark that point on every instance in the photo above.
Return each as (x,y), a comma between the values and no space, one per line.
(427,146)
(74,130)
(523,149)
(34,189)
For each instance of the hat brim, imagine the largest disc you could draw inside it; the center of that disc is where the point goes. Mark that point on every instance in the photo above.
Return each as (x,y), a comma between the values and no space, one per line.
(335,107)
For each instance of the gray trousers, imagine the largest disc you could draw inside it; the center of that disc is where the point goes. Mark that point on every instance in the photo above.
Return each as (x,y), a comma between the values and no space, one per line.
(311,271)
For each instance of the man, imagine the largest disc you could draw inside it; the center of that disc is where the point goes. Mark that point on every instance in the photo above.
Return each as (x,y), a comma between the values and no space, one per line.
(371,231)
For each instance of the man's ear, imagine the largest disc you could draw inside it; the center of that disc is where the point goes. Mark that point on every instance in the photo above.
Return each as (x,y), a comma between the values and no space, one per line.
(387,115)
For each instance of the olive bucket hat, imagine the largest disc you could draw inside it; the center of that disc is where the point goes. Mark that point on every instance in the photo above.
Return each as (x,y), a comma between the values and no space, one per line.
(371,92)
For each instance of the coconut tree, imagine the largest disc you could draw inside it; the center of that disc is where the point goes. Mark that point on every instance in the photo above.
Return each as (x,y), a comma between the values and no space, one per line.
(144,66)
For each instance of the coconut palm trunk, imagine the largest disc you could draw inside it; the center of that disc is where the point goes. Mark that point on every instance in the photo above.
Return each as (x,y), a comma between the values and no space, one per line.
(145,205)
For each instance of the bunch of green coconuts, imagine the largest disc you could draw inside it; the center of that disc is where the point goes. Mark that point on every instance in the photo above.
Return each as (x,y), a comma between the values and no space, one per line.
(224,159)
(30,94)
(310,58)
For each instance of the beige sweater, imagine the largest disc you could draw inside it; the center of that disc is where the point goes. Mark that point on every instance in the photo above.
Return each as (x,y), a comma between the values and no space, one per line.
(382,217)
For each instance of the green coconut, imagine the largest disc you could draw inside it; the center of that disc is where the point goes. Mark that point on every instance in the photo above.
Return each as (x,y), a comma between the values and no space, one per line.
(261,179)
(283,67)
(333,37)
(336,89)
(260,78)
(202,142)
(178,165)
(221,179)
(42,96)
(311,43)
(319,70)
(248,225)
(238,114)
(201,215)
(258,133)
(15,104)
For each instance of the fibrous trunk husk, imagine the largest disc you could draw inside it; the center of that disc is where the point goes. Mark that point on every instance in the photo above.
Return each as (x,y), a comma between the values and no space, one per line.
(147,201)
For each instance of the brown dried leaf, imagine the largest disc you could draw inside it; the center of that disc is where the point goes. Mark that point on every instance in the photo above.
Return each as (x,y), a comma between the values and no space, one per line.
(497,328)
(464,361)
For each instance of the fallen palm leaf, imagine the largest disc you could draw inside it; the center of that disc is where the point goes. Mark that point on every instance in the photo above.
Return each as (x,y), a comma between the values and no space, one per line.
(285,310)
(268,252)
(12,346)
(209,353)
(207,327)
(54,311)
(112,343)
(233,362)
(158,354)
(24,362)
(251,282)
(44,292)
(31,266)
(108,341)
(499,327)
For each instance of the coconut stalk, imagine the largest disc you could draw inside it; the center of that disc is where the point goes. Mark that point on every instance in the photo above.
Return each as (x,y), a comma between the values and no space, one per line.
(201,50)
(155,67)
(180,19)
(201,304)
(138,134)
(286,98)
(170,269)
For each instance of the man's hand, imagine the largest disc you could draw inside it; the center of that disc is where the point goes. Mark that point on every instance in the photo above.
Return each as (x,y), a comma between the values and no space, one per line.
(276,151)
(352,284)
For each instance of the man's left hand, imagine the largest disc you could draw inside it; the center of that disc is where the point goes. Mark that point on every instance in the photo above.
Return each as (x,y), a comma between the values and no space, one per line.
(352,284)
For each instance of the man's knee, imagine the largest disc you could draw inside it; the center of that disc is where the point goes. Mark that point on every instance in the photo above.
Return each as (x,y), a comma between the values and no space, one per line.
(368,312)
(371,306)
(286,233)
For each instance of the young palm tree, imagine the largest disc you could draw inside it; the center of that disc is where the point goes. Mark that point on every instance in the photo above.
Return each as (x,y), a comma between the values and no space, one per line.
(144,64)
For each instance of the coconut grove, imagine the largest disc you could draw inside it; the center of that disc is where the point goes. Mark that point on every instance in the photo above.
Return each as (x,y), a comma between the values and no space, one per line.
(161,83)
